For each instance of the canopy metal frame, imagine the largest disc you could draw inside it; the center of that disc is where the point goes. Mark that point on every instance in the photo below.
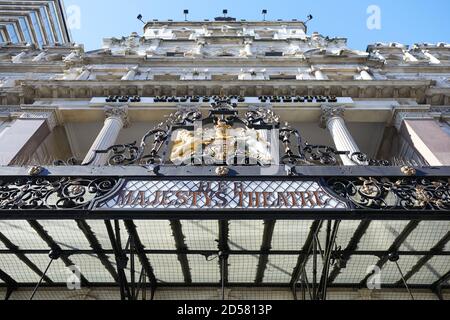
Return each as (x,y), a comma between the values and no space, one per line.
(334,258)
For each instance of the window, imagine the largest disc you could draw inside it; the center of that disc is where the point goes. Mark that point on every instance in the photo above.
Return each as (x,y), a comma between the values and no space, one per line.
(106,76)
(48,29)
(166,77)
(225,54)
(37,28)
(224,77)
(340,76)
(56,23)
(283,77)
(274,54)
(12,33)
(26,30)
(175,54)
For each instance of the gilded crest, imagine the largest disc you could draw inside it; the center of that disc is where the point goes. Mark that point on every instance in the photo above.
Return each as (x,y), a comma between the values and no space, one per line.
(221,144)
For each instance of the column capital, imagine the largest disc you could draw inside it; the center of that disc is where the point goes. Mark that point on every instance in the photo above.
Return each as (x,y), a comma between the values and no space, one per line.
(119,112)
(401,115)
(49,115)
(329,112)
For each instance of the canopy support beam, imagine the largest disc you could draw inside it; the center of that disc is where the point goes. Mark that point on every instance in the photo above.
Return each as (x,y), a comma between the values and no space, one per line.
(10,282)
(304,256)
(393,248)
(181,246)
(224,250)
(96,246)
(22,257)
(121,259)
(269,226)
(439,247)
(351,247)
(139,247)
(330,243)
(438,283)
(55,247)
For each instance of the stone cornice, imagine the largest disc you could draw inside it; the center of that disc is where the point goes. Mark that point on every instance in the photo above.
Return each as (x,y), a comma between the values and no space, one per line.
(26,67)
(419,90)
(321,83)
(414,89)
(268,23)
(258,60)
(426,68)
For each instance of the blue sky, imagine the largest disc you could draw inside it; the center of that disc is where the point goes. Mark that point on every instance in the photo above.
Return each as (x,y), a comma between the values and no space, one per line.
(404,21)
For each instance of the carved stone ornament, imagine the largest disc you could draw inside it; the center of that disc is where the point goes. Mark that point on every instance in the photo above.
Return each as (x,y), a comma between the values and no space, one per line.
(329,112)
(118,112)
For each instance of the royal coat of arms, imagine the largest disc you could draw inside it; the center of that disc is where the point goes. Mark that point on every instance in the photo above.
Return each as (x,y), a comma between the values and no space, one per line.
(221,144)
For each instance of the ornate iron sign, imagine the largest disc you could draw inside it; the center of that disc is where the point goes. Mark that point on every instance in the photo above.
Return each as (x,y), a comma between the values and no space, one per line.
(217,195)
(425,196)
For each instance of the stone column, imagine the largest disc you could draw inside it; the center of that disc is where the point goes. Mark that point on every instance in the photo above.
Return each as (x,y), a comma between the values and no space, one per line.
(116,119)
(332,120)
(425,135)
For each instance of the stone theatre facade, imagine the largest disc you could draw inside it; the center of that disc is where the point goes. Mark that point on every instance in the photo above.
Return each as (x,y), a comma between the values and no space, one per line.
(293,159)
(397,93)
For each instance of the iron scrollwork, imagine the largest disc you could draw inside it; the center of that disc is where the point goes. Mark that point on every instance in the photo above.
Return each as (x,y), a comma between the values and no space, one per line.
(309,154)
(223,113)
(130,154)
(394,193)
(54,193)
